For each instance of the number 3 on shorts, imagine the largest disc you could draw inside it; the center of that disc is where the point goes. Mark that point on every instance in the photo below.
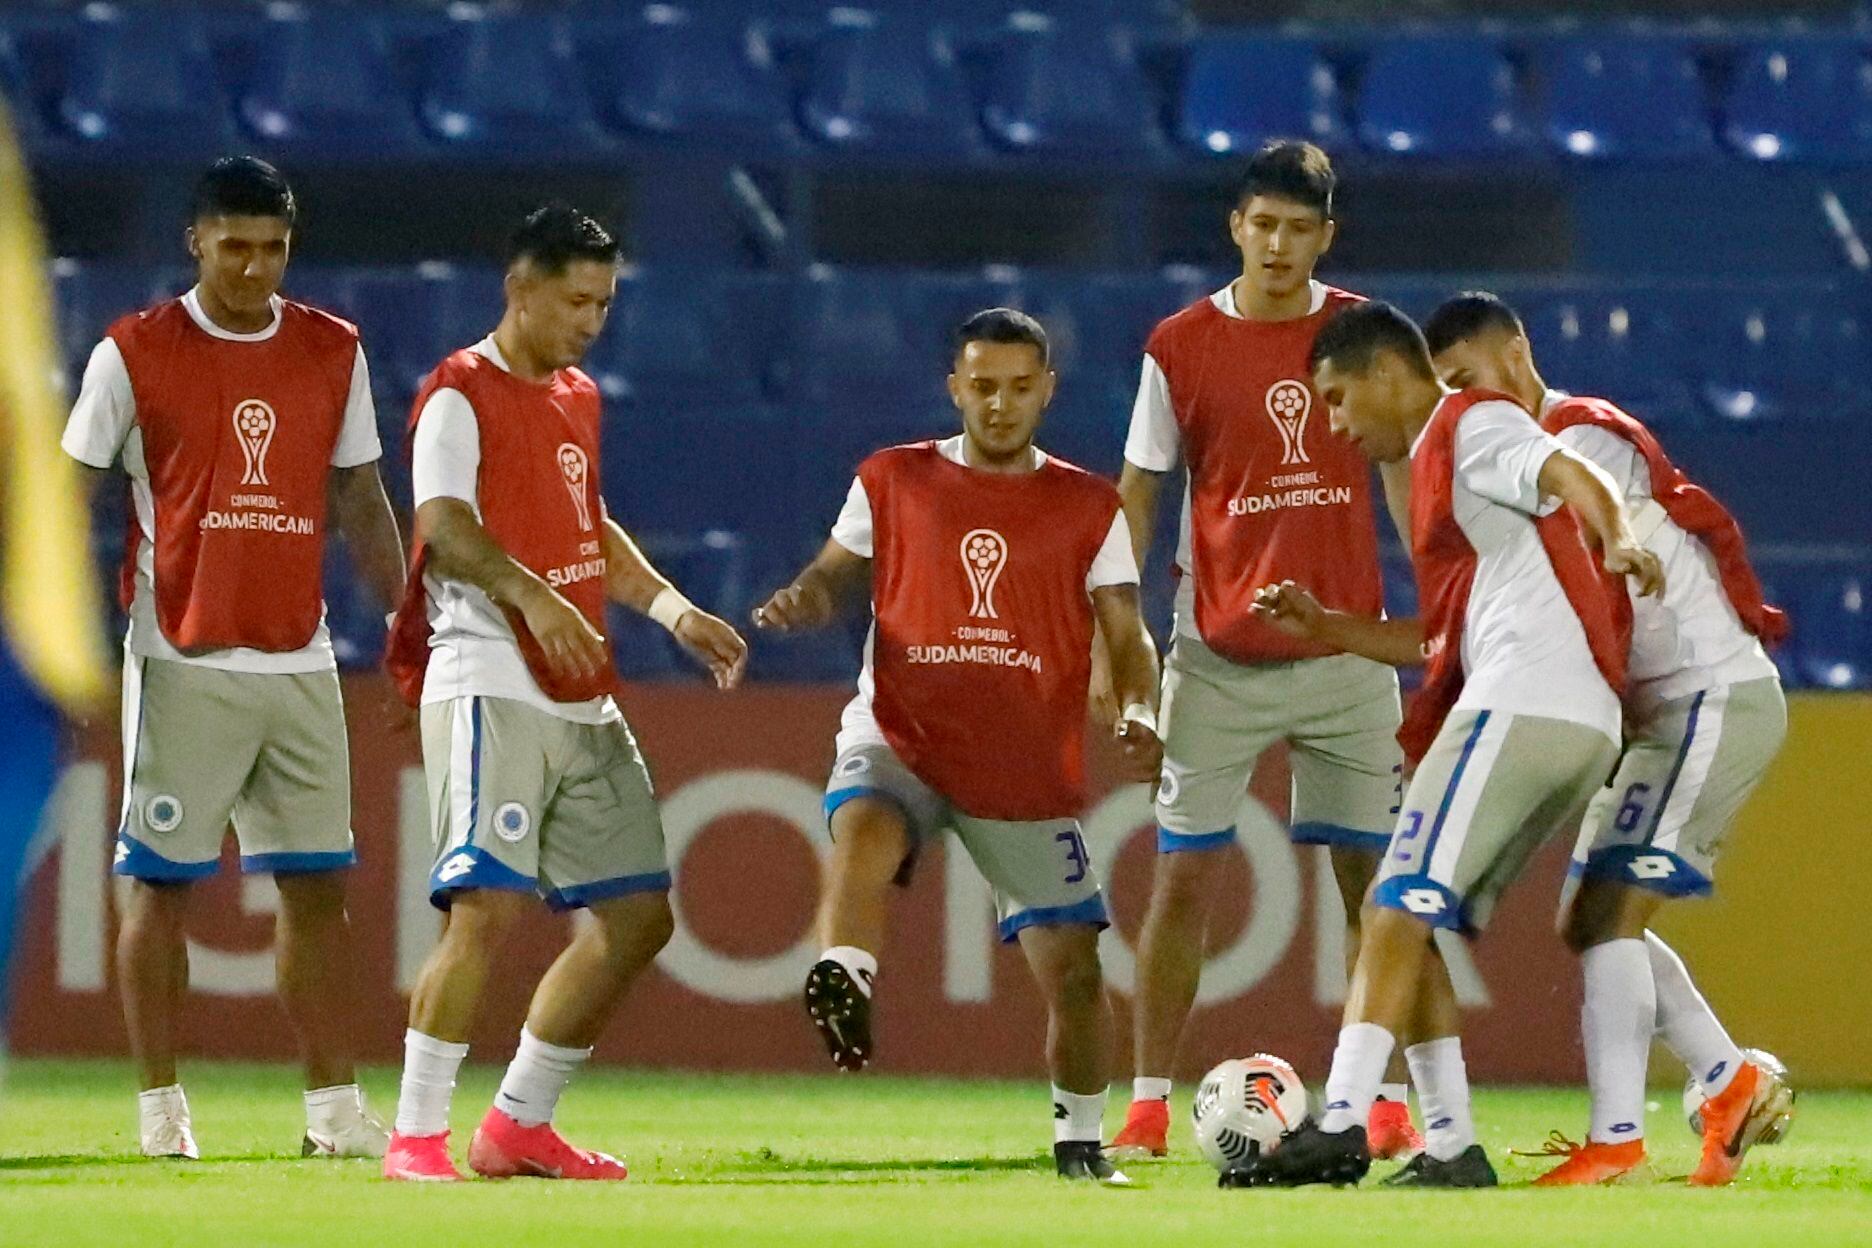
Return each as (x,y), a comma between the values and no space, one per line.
(1075,854)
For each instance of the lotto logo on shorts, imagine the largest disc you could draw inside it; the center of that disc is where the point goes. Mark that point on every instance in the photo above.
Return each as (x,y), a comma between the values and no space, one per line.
(511,822)
(1652,867)
(984,554)
(163,813)
(454,868)
(1289,403)
(1424,901)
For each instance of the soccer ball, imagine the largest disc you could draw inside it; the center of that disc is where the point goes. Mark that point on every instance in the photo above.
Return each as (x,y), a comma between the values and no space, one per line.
(1244,1107)
(1693,1097)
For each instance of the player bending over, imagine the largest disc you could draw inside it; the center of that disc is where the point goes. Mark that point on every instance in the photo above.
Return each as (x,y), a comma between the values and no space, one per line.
(988,561)
(1704,717)
(1517,724)
(244,422)
(536,787)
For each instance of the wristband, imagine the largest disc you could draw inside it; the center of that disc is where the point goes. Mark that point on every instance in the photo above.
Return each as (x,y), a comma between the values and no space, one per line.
(1139,713)
(668,608)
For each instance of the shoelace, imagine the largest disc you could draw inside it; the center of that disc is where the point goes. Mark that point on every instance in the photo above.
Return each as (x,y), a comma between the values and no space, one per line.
(1556,1145)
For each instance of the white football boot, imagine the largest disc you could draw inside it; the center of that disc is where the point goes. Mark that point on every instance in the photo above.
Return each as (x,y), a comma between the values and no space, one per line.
(345,1127)
(163,1116)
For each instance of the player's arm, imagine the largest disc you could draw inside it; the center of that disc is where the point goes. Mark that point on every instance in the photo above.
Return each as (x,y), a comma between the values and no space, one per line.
(1138,491)
(1133,668)
(835,578)
(460,549)
(361,512)
(1567,477)
(1297,613)
(631,579)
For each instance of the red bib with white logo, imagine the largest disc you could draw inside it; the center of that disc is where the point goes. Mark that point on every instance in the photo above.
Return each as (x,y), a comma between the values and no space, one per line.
(1690,507)
(982,647)
(1274,494)
(538,494)
(1445,564)
(238,439)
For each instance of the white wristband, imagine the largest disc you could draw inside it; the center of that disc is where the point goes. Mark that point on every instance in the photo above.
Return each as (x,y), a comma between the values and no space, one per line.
(668,608)
(1139,713)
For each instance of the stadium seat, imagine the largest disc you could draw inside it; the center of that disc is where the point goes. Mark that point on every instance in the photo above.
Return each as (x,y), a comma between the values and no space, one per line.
(1832,611)
(141,85)
(1801,100)
(1629,348)
(1784,357)
(1241,91)
(1446,96)
(91,294)
(1066,91)
(410,319)
(688,469)
(1624,98)
(851,338)
(887,88)
(688,334)
(671,73)
(321,88)
(504,86)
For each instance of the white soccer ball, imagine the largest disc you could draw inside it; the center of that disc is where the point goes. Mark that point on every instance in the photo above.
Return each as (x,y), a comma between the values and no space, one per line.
(1244,1107)
(1693,1097)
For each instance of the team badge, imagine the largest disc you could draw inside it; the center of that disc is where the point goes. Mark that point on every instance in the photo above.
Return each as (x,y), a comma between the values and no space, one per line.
(852,766)
(573,466)
(511,822)
(1169,784)
(163,813)
(984,554)
(1289,403)
(254,423)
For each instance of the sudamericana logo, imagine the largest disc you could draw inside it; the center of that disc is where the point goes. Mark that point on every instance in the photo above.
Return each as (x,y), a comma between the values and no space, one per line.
(254,423)
(984,554)
(1289,403)
(573,466)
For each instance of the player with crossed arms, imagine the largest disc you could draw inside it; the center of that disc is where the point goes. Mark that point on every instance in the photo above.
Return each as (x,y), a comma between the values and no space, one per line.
(988,562)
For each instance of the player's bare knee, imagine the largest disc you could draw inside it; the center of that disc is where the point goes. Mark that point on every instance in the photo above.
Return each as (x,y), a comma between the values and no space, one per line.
(872,839)
(312,897)
(478,920)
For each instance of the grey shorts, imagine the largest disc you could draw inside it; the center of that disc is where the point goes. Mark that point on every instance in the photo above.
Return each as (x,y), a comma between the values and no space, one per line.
(1039,872)
(1491,790)
(1339,716)
(205,747)
(525,801)
(1688,768)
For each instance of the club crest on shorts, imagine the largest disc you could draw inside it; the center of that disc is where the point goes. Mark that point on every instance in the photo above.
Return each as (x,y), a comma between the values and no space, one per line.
(163,813)
(984,554)
(254,423)
(573,466)
(511,822)
(1289,403)
(848,767)
(1169,784)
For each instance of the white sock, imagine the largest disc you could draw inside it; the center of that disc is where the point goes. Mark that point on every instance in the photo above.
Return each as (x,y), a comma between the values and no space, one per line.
(529,1091)
(329,1108)
(1150,1088)
(1687,1025)
(1399,1092)
(1358,1066)
(1616,1021)
(861,966)
(1442,1080)
(429,1067)
(156,1104)
(1078,1115)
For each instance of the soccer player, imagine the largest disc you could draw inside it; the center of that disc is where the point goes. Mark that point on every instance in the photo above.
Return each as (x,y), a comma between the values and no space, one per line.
(1516,726)
(1273,495)
(244,421)
(988,562)
(1704,717)
(536,786)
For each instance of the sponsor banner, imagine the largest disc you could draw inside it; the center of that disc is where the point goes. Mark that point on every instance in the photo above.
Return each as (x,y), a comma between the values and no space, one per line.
(740,777)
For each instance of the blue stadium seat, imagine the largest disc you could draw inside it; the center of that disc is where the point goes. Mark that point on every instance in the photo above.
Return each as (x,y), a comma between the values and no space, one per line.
(887,88)
(16,94)
(1801,100)
(90,294)
(1240,91)
(685,334)
(688,469)
(851,339)
(1629,348)
(1059,90)
(141,84)
(1617,98)
(672,73)
(321,87)
(1785,357)
(505,86)
(1832,612)
(1446,96)
(409,320)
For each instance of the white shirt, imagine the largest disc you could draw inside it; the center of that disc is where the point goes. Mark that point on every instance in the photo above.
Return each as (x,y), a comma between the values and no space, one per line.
(1114,564)
(102,428)
(1155,443)
(1524,650)
(472,650)
(1692,639)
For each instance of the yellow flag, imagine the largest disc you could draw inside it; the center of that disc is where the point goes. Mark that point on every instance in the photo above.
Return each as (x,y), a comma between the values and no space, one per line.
(50,612)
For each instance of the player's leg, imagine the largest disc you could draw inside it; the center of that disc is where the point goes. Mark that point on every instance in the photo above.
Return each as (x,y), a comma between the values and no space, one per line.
(190,738)
(878,813)
(1214,728)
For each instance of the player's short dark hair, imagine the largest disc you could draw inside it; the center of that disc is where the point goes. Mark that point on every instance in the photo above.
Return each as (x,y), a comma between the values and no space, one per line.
(1292,170)
(1353,339)
(1003,325)
(243,186)
(554,235)
(1463,316)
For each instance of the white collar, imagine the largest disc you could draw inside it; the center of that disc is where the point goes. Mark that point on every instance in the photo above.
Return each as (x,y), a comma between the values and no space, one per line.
(1224,300)
(1418,440)
(1550,399)
(490,350)
(951,450)
(191,303)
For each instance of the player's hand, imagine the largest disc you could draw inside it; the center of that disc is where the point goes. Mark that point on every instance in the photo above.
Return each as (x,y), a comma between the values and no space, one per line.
(713,642)
(1141,751)
(795,608)
(572,647)
(1291,609)
(1644,568)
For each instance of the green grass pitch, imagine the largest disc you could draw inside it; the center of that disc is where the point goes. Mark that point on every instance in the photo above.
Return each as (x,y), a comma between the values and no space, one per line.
(755,1160)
